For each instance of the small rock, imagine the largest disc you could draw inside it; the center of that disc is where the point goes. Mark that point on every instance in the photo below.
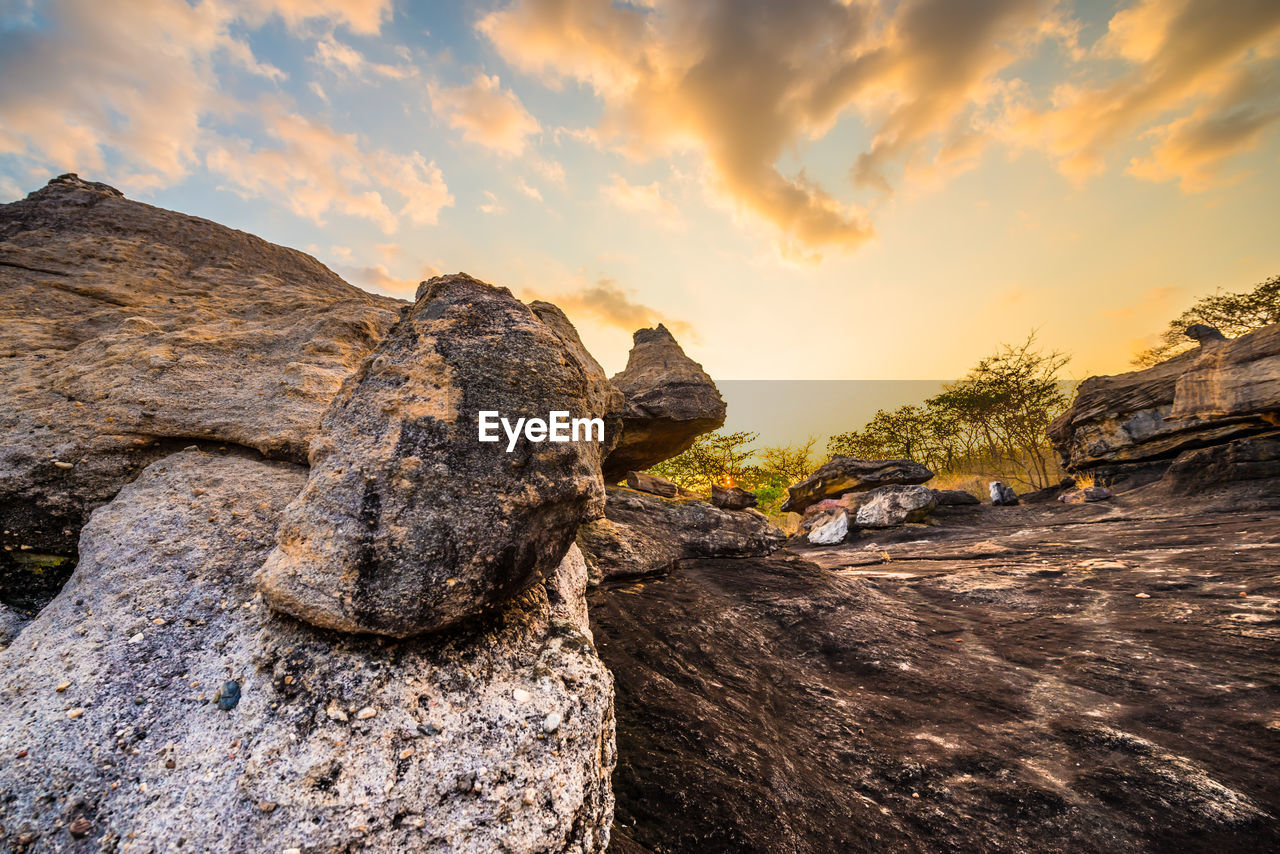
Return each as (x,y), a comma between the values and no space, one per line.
(60,464)
(551,722)
(62,687)
(731,497)
(1142,595)
(520,695)
(406,753)
(1001,495)
(366,713)
(267,806)
(831,532)
(80,827)
(75,713)
(228,696)
(651,483)
(335,712)
(136,638)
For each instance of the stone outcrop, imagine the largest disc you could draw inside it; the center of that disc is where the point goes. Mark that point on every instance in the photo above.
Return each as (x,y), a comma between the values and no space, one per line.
(848,474)
(1086,495)
(651,483)
(887,506)
(157,704)
(407,523)
(1253,458)
(831,529)
(1002,495)
(644,534)
(670,401)
(127,332)
(731,497)
(1131,426)
(955,497)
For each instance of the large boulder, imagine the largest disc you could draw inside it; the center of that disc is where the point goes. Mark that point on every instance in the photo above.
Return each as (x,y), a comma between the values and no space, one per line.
(849,474)
(1131,426)
(1251,458)
(889,506)
(157,705)
(643,534)
(408,523)
(732,497)
(670,402)
(127,332)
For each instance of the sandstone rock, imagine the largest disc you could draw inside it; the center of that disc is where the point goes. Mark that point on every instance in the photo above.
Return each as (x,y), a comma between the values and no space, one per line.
(1086,495)
(1131,426)
(651,483)
(887,506)
(831,531)
(455,758)
(731,497)
(955,497)
(849,474)
(643,534)
(1001,495)
(127,332)
(407,523)
(1253,458)
(670,401)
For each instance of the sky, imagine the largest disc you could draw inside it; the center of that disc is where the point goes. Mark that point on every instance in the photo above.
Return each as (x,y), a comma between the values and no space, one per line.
(799,190)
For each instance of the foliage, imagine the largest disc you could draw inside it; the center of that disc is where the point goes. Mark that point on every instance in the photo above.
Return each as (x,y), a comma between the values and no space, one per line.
(992,420)
(727,459)
(1232,313)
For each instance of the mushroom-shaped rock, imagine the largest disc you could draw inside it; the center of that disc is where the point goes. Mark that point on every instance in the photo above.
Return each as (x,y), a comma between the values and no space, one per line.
(670,402)
(408,523)
(849,474)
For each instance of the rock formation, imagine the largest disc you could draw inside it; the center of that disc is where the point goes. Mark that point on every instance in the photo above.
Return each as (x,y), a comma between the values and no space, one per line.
(955,497)
(1130,427)
(1002,495)
(407,523)
(157,704)
(651,483)
(848,474)
(887,506)
(643,534)
(127,332)
(670,401)
(830,529)
(731,497)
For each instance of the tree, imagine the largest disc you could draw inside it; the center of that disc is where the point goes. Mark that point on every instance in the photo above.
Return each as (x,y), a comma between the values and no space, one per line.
(788,464)
(714,458)
(1232,313)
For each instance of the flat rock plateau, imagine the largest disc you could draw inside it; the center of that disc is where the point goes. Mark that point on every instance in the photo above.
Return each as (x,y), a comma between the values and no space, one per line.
(1097,677)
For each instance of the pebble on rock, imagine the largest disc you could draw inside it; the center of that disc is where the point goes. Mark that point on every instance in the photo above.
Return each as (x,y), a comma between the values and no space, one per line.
(228,696)
(551,722)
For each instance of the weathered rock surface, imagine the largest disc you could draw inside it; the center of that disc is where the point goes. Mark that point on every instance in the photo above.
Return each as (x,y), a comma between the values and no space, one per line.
(651,483)
(731,497)
(644,534)
(887,506)
(1002,495)
(1085,495)
(670,402)
(407,523)
(1253,458)
(955,497)
(127,331)
(848,474)
(1129,427)
(995,683)
(830,530)
(499,737)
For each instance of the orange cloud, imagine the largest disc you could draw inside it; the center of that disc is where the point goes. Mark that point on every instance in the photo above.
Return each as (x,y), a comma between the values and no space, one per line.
(486,114)
(646,199)
(606,302)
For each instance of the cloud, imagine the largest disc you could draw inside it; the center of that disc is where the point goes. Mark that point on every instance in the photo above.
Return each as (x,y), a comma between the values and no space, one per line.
(532,192)
(607,303)
(491,204)
(486,114)
(378,278)
(317,170)
(646,199)
(1212,71)
(364,17)
(342,59)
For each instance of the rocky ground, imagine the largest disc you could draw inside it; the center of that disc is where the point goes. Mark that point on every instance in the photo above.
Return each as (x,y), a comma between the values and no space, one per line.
(1034,678)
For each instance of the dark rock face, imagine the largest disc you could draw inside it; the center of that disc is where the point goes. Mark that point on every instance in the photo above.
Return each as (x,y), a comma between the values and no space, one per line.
(670,401)
(407,523)
(1002,686)
(1255,458)
(1128,428)
(1083,496)
(158,705)
(127,332)
(955,497)
(849,474)
(731,497)
(643,534)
